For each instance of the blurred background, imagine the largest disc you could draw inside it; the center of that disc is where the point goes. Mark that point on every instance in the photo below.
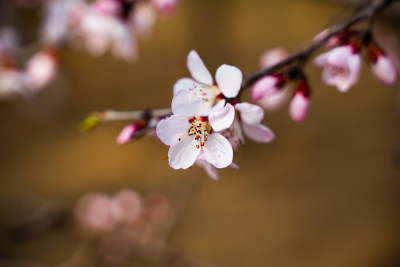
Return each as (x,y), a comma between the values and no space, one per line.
(325,192)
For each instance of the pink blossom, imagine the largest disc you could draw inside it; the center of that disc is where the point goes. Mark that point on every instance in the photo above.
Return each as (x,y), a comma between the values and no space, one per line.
(341,66)
(129,131)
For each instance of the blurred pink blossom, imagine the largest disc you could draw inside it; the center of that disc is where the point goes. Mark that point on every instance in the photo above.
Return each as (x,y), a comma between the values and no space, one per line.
(341,66)
(40,69)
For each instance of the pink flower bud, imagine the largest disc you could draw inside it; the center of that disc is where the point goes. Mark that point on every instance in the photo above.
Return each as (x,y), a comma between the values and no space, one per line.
(40,70)
(381,65)
(127,133)
(267,86)
(299,105)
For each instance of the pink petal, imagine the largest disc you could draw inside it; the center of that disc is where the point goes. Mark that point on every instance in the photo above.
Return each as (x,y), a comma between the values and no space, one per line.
(264,87)
(222,118)
(197,68)
(258,132)
(250,113)
(189,104)
(169,130)
(183,84)
(183,153)
(298,107)
(229,80)
(218,151)
(384,70)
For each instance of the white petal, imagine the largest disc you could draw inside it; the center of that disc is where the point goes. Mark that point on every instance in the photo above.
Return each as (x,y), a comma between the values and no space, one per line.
(250,113)
(169,130)
(218,151)
(229,80)
(183,84)
(197,68)
(384,70)
(222,118)
(189,104)
(258,132)
(183,154)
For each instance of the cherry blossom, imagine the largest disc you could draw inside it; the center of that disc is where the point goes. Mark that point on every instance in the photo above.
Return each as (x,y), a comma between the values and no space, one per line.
(201,86)
(189,135)
(341,66)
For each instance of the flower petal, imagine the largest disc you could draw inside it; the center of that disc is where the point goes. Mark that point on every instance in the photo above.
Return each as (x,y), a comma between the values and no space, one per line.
(218,151)
(189,104)
(169,130)
(183,153)
(258,132)
(222,118)
(250,113)
(183,84)
(197,68)
(229,80)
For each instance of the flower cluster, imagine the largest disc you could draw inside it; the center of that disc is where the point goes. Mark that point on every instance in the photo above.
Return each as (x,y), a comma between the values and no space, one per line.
(102,24)
(37,72)
(272,91)
(342,63)
(99,26)
(123,220)
(208,119)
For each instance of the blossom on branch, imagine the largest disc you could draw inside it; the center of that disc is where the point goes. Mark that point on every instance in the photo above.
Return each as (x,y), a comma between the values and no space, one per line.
(341,66)
(381,64)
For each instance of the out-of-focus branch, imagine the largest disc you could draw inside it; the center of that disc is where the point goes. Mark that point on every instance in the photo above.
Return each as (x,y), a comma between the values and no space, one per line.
(367,13)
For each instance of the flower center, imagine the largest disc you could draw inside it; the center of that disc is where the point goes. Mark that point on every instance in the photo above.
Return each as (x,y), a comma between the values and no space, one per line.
(339,73)
(199,128)
(207,93)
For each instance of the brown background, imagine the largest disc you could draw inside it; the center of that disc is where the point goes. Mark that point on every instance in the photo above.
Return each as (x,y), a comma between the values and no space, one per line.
(324,193)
